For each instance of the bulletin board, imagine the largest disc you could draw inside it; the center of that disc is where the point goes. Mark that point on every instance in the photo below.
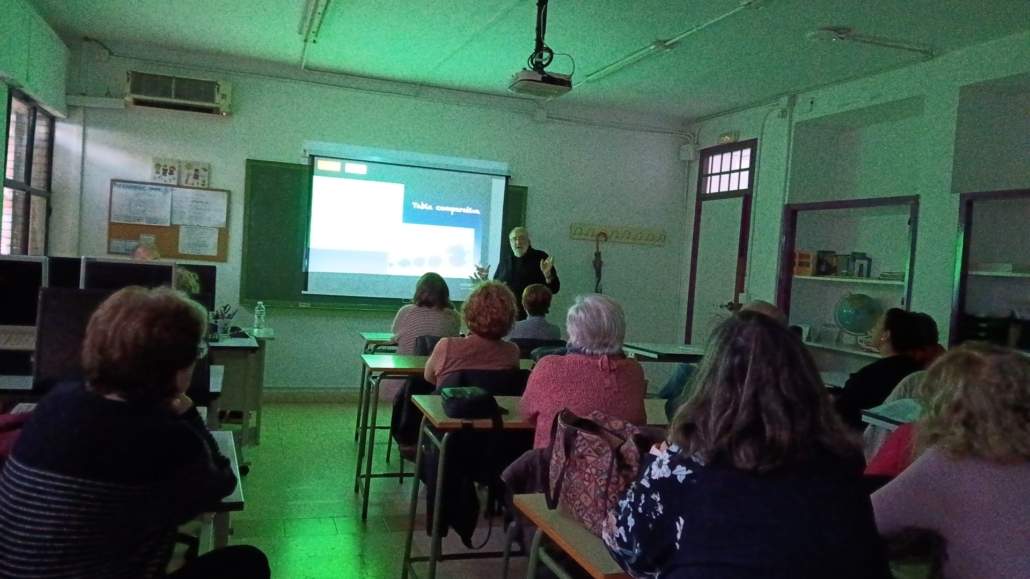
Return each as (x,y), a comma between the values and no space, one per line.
(181,222)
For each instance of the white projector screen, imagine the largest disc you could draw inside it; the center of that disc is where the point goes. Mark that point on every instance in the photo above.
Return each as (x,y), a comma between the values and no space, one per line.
(377,226)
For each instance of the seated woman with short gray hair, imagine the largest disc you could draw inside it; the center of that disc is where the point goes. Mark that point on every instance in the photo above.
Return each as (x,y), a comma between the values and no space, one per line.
(595,375)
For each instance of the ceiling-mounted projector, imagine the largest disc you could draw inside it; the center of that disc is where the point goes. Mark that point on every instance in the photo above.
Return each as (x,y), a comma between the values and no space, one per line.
(535,80)
(540,84)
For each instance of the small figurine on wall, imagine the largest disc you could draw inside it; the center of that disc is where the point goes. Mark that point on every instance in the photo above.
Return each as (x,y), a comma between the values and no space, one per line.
(195,174)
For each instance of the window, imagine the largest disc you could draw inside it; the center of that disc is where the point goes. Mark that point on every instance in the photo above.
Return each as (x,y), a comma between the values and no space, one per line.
(728,169)
(26,184)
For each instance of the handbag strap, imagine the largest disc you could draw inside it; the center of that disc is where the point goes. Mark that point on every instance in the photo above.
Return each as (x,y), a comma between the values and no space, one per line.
(495,434)
(551,496)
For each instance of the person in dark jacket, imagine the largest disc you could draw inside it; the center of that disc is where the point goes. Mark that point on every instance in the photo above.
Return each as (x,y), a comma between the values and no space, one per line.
(759,477)
(908,342)
(525,266)
(105,471)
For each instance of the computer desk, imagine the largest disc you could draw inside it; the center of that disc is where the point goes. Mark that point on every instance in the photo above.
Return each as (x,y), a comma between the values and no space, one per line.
(243,381)
(221,515)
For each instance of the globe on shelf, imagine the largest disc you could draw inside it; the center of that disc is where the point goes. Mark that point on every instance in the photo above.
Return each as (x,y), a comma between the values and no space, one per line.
(857,313)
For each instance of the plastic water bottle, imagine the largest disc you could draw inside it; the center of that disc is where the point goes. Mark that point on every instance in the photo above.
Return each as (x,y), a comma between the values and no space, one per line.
(259,316)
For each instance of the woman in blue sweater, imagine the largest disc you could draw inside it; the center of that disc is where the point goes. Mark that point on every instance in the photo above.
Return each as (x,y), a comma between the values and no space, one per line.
(759,478)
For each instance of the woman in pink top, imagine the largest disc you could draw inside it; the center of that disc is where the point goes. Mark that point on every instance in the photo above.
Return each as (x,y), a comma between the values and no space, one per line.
(489,313)
(971,481)
(594,375)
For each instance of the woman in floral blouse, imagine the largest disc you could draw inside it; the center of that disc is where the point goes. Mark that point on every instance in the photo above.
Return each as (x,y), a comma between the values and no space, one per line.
(759,477)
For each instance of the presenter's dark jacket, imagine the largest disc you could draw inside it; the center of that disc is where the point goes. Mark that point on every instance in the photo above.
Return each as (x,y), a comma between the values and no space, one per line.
(519,272)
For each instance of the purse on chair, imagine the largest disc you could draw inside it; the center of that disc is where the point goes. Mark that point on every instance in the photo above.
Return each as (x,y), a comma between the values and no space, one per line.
(593,460)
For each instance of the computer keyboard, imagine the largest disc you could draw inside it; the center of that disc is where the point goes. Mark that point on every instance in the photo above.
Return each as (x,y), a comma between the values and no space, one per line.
(22,338)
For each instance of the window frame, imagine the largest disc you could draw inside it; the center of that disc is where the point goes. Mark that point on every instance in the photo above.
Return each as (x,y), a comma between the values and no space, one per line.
(28,187)
(708,153)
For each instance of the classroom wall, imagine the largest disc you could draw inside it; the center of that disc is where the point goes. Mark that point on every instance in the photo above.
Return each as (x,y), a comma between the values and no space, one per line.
(32,57)
(921,141)
(574,171)
(993,137)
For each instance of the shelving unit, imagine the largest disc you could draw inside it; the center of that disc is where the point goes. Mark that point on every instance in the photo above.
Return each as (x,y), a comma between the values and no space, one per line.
(852,280)
(1014,274)
(992,305)
(851,189)
(854,351)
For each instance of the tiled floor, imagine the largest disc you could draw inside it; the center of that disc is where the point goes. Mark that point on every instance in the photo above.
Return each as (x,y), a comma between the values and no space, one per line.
(302,512)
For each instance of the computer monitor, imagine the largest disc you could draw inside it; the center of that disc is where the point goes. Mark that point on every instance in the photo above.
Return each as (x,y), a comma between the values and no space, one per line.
(63,316)
(198,281)
(20,280)
(64,272)
(114,275)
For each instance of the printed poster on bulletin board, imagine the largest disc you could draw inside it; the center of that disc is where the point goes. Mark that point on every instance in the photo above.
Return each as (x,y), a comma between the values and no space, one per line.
(174,221)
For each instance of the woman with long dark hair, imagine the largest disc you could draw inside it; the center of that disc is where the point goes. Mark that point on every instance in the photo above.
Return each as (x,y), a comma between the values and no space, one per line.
(907,342)
(759,477)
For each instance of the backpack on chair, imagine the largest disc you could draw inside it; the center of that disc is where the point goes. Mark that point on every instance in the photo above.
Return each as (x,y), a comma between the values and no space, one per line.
(593,460)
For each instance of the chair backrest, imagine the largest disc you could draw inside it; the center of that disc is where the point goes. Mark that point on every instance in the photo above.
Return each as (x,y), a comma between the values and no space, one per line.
(538,353)
(496,382)
(424,345)
(527,345)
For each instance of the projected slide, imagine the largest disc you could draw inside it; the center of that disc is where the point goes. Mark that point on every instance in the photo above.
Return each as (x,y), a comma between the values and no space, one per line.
(375,228)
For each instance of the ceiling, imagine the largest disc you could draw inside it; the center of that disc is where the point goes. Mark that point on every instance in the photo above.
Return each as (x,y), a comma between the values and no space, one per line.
(476,45)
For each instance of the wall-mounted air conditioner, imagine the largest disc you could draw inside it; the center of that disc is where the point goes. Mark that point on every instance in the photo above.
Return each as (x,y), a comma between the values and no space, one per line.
(178,93)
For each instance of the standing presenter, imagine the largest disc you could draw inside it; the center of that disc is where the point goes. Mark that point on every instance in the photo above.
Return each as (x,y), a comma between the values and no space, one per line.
(525,266)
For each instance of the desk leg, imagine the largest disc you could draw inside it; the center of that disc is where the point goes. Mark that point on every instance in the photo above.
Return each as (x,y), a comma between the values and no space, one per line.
(213,407)
(534,555)
(259,393)
(509,538)
(362,431)
(437,538)
(370,444)
(413,508)
(361,396)
(221,530)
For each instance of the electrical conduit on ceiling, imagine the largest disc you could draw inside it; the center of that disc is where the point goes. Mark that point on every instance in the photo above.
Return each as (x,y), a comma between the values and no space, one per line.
(659,46)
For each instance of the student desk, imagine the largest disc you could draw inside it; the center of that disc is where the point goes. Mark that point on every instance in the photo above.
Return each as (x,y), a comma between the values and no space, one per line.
(376,367)
(434,422)
(585,548)
(220,516)
(379,367)
(243,381)
(653,352)
(374,342)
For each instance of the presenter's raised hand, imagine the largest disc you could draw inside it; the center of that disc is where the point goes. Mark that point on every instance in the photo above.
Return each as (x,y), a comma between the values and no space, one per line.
(482,273)
(547,268)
